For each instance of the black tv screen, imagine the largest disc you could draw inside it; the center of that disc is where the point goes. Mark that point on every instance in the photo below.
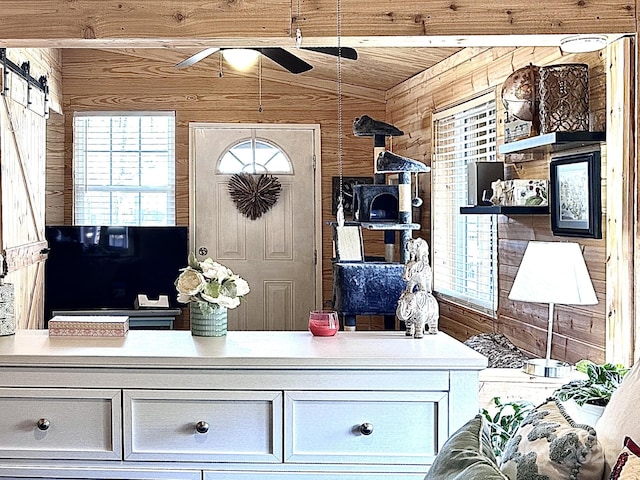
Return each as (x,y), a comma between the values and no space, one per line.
(106,267)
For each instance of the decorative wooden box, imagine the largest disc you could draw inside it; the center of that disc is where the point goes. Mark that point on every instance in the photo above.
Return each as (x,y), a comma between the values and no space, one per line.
(90,326)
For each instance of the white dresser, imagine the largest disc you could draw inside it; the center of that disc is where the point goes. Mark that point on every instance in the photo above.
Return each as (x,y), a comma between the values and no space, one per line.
(251,405)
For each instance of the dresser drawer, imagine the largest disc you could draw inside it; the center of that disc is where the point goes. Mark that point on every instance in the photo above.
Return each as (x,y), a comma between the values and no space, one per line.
(370,427)
(211,426)
(60,423)
(355,475)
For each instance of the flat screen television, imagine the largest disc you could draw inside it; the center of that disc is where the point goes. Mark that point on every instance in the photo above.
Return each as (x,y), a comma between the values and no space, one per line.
(106,267)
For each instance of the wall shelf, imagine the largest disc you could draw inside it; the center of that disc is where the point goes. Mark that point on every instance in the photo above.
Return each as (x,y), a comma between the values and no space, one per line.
(553,142)
(503,210)
(380,225)
(390,226)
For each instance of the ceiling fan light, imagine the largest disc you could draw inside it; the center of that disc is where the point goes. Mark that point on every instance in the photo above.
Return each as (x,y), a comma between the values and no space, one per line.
(241,58)
(583,43)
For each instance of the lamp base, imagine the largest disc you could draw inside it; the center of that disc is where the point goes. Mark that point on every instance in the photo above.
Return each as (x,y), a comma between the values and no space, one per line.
(547,368)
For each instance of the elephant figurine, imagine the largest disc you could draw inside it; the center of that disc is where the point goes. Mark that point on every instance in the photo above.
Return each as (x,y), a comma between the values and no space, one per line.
(418,249)
(418,310)
(417,274)
(417,271)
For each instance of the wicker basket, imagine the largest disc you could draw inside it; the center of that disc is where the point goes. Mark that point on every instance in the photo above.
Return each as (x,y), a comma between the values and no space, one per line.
(564,98)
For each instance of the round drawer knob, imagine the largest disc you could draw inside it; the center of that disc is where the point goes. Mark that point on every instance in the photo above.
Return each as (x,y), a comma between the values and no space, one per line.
(43,424)
(366,429)
(202,427)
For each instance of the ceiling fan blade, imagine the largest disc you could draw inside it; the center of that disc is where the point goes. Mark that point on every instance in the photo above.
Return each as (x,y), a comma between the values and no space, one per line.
(193,59)
(285,59)
(346,52)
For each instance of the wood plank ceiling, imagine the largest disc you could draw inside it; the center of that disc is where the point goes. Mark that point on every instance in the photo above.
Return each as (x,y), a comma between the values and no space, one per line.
(395,40)
(377,69)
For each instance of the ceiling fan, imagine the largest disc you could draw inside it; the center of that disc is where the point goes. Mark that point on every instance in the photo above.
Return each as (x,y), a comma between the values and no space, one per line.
(279,55)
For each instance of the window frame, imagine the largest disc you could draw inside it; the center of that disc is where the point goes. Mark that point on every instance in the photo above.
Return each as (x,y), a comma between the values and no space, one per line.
(253,140)
(485,225)
(81,154)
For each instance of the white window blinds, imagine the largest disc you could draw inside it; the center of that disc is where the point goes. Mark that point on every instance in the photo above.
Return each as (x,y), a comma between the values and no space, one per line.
(124,168)
(464,246)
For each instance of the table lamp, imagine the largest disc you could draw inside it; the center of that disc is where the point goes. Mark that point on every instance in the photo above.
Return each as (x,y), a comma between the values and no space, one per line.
(553,273)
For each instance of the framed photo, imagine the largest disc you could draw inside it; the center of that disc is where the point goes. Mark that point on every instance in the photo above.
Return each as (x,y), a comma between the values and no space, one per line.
(347,193)
(575,195)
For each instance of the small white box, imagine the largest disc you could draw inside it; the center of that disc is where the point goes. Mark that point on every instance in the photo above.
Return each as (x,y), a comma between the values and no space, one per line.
(89,325)
(142,301)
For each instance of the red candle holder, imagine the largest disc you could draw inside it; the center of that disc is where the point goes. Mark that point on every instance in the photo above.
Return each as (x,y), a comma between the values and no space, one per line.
(323,323)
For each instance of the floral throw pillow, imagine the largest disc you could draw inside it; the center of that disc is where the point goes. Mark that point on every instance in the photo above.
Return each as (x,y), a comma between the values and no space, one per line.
(548,445)
(628,465)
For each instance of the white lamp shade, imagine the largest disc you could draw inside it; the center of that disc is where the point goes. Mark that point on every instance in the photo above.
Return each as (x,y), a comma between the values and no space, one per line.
(553,272)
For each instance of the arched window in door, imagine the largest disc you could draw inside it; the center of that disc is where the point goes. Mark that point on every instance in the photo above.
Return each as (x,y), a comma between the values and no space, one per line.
(254,156)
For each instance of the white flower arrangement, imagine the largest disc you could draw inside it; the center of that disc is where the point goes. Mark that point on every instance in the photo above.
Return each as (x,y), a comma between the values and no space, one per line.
(210,284)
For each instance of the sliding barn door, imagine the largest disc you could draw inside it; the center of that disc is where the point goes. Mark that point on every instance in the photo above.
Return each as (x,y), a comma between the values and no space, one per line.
(22,200)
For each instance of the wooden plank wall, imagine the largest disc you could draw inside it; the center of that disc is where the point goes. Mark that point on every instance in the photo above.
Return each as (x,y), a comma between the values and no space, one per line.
(135,21)
(621,196)
(97,80)
(55,196)
(579,331)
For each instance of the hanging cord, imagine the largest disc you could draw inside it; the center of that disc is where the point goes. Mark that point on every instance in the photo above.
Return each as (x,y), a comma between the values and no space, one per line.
(260,84)
(340,209)
(298,31)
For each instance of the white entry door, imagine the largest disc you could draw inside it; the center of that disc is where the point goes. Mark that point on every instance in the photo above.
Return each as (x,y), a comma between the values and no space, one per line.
(277,252)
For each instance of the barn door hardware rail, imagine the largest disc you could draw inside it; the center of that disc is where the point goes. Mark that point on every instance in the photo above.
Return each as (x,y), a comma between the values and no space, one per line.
(23,71)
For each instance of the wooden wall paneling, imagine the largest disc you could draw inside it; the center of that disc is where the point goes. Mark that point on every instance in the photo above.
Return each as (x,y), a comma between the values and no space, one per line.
(636,203)
(620,174)
(532,340)
(54,198)
(67,203)
(463,323)
(461,319)
(107,22)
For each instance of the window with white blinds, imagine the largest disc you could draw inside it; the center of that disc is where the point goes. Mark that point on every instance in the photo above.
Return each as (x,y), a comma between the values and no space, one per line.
(464,246)
(124,168)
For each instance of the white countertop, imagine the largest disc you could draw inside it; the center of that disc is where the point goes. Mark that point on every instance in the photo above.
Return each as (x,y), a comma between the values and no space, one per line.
(255,349)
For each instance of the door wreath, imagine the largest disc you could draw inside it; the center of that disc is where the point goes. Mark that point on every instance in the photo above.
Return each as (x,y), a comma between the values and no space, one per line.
(254,197)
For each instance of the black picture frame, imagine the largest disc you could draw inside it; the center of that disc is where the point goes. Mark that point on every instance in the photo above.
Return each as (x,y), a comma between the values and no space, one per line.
(347,193)
(575,199)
